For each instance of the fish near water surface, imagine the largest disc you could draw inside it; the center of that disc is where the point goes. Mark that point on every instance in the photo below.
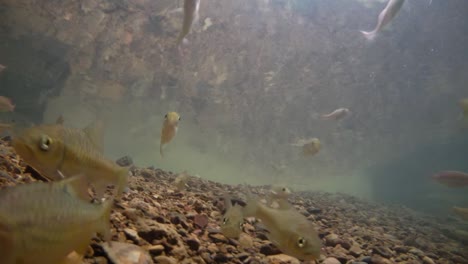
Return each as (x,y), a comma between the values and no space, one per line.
(191,8)
(453,179)
(231,223)
(387,14)
(57,152)
(289,230)
(169,129)
(45,222)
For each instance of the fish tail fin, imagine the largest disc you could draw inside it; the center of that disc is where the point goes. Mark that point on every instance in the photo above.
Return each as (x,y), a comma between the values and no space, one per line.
(161,150)
(77,185)
(370,35)
(105,226)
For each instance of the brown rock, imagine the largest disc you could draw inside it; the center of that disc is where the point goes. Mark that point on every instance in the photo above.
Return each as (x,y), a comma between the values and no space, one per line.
(282,258)
(331,261)
(124,253)
(200,220)
(165,260)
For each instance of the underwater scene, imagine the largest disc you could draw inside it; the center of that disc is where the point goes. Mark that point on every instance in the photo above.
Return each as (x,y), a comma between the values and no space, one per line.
(233,131)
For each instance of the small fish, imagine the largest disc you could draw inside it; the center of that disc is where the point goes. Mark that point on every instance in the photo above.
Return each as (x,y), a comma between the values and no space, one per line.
(387,14)
(310,146)
(180,182)
(336,115)
(231,225)
(56,152)
(464,106)
(45,222)
(289,230)
(169,129)
(191,8)
(2,67)
(280,195)
(453,179)
(60,120)
(6,105)
(462,212)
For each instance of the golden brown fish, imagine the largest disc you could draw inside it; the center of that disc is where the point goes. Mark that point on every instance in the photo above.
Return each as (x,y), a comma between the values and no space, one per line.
(453,179)
(57,152)
(462,212)
(169,129)
(289,230)
(277,194)
(310,146)
(464,106)
(191,8)
(387,14)
(44,222)
(180,182)
(231,223)
(6,105)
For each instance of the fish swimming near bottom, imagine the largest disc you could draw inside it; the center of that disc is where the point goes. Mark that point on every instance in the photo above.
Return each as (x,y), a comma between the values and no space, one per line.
(453,179)
(6,105)
(462,212)
(56,152)
(231,223)
(289,230)
(180,182)
(45,222)
(387,14)
(278,194)
(169,129)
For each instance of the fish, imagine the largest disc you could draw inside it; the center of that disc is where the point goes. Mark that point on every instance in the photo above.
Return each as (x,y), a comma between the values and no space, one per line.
(44,222)
(464,106)
(191,8)
(462,212)
(60,120)
(336,114)
(169,129)
(180,182)
(310,146)
(453,179)
(280,195)
(57,152)
(231,223)
(289,230)
(6,105)
(387,14)
(2,67)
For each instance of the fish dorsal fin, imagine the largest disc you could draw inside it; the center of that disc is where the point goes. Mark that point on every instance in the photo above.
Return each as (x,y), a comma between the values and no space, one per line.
(95,132)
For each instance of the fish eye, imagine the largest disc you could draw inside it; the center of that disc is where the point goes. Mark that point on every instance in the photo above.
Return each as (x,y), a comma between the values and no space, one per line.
(225,220)
(165,116)
(301,242)
(45,143)
(284,189)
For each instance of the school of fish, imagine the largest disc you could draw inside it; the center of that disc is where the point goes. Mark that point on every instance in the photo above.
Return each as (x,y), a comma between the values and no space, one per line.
(53,222)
